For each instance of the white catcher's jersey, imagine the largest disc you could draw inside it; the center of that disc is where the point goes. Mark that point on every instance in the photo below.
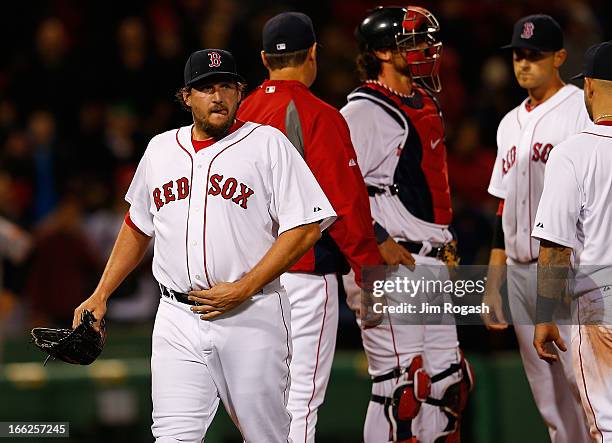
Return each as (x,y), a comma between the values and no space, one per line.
(216,212)
(524,142)
(576,205)
(377,137)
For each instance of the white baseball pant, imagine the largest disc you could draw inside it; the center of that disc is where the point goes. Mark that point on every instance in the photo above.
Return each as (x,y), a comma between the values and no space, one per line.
(395,345)
(314,326)
(241,358)
(592,357)
(553,386)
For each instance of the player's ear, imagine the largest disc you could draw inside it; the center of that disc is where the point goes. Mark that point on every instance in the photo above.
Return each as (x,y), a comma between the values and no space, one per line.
(384,55)
(265,61)
(187,96)
(240,88)
(559,58)
(312,51)
(588,87)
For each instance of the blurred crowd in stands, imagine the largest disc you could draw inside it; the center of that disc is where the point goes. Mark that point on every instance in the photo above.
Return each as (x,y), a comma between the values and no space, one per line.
(84,85)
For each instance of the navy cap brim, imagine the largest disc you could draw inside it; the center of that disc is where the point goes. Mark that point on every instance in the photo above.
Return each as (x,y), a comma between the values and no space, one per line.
(528,46)
(221,74)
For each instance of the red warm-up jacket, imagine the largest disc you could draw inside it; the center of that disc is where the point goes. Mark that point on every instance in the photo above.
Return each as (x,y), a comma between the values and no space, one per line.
(321,135)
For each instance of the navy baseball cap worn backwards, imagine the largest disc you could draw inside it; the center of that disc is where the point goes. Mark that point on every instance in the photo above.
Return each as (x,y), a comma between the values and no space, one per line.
(288,32)
(598,62)
(209,63)
(537,32)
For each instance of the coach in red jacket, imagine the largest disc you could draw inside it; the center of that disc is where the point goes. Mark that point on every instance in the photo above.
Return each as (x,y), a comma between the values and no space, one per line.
(320,134)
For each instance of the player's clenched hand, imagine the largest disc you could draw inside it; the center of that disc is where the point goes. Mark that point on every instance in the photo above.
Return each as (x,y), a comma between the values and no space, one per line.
(367,313)
(218,300)
(546,333)
(395,254)
(95,304)
(494,320)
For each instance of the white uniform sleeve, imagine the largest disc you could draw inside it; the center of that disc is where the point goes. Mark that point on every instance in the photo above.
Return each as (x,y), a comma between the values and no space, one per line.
(375,137)
(496,185)
(139,198)
(297,198)
(560,203)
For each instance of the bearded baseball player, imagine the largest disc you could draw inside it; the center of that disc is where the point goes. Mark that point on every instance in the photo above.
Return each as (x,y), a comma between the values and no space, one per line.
(397,131)
(321,136)
(232,206)
(573,225)
(552,112)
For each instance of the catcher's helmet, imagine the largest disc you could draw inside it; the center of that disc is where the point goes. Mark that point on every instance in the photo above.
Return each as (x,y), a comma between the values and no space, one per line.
(411,30)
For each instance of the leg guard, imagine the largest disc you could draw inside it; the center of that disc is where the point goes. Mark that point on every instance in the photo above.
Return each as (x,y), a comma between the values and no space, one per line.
(454,399)
(412,388)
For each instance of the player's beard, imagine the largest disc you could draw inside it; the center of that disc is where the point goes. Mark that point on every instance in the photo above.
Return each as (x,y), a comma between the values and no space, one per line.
(400,64)
(216,130)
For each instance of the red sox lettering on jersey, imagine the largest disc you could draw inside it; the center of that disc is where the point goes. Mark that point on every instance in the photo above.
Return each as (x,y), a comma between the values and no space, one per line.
(539,153)
(509,160)
(200,203)
(229,189)
(166,193)
(524,140)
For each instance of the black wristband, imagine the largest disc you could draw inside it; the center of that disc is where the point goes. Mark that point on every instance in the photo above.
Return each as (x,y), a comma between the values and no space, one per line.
(380,233)
(545,309)
(498,234)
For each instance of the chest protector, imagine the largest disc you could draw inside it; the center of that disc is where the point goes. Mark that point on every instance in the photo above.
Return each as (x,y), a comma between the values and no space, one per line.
(421,174)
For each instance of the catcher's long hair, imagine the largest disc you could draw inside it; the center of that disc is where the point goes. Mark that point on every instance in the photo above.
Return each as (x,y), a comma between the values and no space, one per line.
(368,65)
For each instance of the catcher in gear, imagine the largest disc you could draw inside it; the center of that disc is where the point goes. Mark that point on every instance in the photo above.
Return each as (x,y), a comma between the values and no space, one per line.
(78,346)
(420,379)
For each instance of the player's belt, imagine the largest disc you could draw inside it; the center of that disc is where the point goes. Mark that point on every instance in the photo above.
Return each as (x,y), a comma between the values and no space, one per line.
(184,298)
(415,248)
(178,296)
(446,252)
(375,190)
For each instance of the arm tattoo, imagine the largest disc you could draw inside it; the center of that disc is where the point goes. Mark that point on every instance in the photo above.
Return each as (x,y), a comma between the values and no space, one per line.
(553,270)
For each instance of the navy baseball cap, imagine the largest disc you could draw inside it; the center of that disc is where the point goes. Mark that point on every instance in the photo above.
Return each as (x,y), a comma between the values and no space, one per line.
(210,62)
(288,32)
(598,62)
(538,32)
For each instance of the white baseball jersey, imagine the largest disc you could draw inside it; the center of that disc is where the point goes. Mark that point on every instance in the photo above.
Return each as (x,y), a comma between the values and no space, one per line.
(216,212)
(576,205)
(378,139)
(576,211)
(524,142)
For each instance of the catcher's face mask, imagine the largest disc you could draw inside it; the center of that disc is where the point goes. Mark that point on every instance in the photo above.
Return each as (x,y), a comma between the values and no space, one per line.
(420,45)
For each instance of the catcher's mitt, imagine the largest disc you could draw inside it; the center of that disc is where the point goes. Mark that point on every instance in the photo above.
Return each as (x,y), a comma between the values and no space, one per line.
(79,346)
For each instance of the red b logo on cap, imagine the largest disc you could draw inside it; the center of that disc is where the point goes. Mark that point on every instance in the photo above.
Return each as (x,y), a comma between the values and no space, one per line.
(215,59)
(527,30)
